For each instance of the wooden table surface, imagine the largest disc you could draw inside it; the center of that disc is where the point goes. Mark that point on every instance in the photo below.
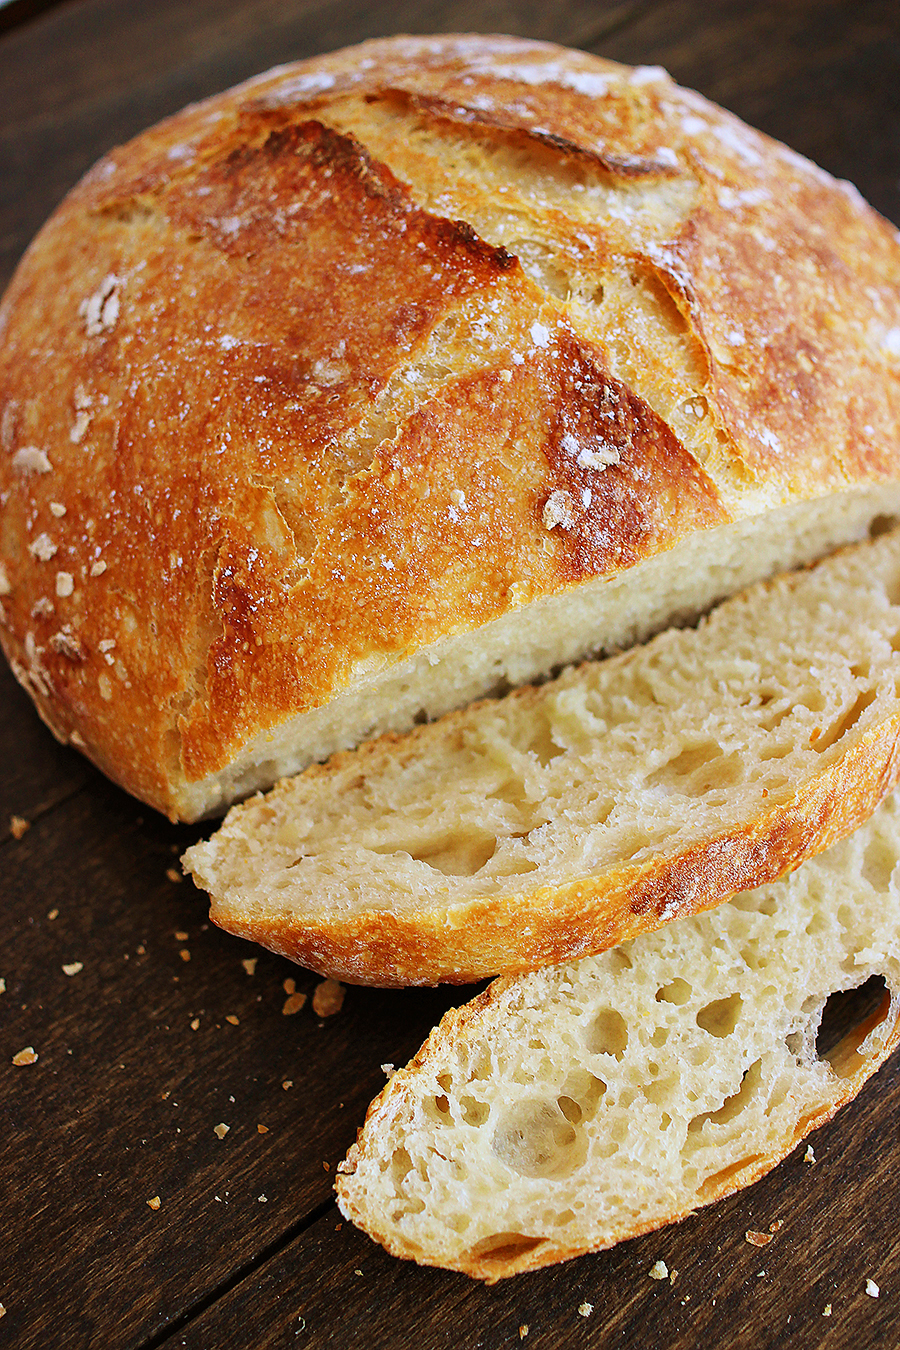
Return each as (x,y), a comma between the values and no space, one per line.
(166,1029)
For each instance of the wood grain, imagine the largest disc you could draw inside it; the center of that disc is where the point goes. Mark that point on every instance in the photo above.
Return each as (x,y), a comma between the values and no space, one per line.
(122,1103)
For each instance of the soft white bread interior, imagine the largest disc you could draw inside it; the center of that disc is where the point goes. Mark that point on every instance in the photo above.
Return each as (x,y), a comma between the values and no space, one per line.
(565,1110)
(562,818)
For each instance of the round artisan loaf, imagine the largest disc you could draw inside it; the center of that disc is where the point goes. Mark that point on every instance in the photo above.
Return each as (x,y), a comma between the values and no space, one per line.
(337,400)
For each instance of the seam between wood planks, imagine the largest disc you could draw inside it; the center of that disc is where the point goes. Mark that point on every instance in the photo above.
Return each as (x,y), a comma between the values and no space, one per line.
(255,1263)
(46,808)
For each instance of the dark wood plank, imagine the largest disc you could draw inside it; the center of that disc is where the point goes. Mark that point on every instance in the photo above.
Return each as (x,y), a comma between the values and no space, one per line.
(138,1063)
(37,771)
(333,1288)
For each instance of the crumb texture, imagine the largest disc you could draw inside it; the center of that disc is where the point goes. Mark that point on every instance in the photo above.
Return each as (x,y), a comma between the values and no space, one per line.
(562,818)
(565,1110)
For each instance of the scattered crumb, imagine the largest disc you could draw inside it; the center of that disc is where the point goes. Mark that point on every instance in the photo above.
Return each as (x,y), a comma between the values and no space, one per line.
(326,1166)
(234,1021)
(293,1004)
(26,1056)
(523,1331)
(757,1239)
(288,1083)
(53,914)
(826,1311)
(872,1289)
(2,1310)
(262,1129)
(173,874)
(388,1069)
(328,998)
(810,1157)
(185,954)
(659,1271)
(154,1203)
(673,1276)
(221,1130)
(2,986)
(262,1199)
(195,1024)
(289,986)
(585,1309)
(775,1225)
(181,936)
(357,1271)
(18,826)
(73,967)
(249,964)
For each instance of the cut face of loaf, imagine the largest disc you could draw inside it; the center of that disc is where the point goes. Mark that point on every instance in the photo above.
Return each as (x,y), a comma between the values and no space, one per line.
(410,372)
(559,820)
(565,1110)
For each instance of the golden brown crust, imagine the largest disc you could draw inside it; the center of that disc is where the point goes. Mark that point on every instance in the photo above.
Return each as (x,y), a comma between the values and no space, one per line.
(204,361)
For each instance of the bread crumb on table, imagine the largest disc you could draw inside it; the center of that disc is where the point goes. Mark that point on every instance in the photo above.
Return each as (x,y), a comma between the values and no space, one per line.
(154,1202)
(232,1020)
(262,1129)
(872,1289)
(18,826)
(249,964)
(585,1309)
(826,1311)
(293,1004)
(73,967)
(221,1130)
(659,1271)
(757,1239)
(173,874)
(26,1056)
(328,998)
(810,1157)
(523,1331)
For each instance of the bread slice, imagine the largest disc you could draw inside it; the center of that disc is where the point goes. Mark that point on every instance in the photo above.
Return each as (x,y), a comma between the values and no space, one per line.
(565,1110)
(562,819)
(351,394)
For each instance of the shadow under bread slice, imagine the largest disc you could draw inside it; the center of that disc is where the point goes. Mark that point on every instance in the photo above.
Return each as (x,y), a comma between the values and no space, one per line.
(563,1111)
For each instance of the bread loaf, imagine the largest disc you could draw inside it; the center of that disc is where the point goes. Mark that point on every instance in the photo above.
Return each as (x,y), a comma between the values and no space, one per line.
(400,375)
(562,819)
(565,1110)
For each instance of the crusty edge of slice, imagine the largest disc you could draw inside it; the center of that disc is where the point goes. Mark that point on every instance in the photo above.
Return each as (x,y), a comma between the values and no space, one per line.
(519,931)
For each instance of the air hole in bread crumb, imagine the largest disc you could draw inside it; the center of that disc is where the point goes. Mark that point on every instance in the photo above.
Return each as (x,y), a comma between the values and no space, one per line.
(536,1140)
(678,991)
(720,1017)
(503,1247)
(824,739)
(848,1017)
(732,1106)
(607,1033)
(721,1181)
